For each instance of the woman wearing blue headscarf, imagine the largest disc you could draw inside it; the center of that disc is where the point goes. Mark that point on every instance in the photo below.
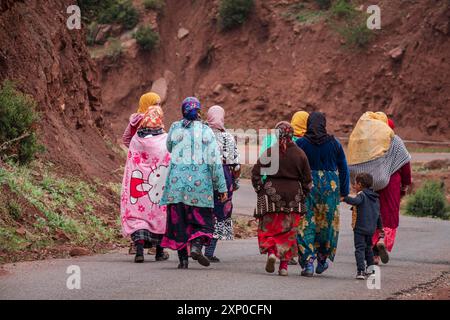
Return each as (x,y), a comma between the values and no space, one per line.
(195,172)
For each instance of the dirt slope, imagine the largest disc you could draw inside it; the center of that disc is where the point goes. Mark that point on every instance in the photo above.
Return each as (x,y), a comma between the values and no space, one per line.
(51,63)
(270,68)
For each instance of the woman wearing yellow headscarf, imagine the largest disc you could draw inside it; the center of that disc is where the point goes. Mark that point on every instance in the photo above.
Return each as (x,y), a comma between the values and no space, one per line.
(299,122)
(146,101)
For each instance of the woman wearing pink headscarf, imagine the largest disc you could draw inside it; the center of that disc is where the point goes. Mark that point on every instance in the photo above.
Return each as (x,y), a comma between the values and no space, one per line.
(223,229)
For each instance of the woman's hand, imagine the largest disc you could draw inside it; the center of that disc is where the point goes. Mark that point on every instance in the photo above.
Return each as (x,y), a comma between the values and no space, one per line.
(223,197)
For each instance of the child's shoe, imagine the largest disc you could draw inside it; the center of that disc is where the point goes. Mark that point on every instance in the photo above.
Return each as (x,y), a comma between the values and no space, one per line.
(270,264)
(308,271)
(369,273)
(384,255)
(213,259)
(283,269)
(361,275)
(322,266)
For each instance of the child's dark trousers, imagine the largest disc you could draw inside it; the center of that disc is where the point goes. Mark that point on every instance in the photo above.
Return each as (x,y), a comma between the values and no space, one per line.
(363,250)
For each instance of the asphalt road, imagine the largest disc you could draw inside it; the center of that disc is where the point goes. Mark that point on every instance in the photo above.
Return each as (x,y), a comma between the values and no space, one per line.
(421,255)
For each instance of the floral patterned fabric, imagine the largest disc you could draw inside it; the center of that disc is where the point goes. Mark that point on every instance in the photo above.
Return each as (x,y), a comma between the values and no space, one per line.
(319,231)
(223,229)
(153,119)
(278,232)
(195,167)
(227,147)
(186,223)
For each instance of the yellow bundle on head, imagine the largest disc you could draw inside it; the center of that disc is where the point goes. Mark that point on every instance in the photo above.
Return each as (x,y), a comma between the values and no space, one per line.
(370,139)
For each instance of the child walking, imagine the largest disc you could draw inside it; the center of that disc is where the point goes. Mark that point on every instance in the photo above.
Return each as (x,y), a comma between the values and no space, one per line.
(366,220)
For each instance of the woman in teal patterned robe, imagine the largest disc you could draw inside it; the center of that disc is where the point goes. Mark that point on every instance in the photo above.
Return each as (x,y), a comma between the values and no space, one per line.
(319,230)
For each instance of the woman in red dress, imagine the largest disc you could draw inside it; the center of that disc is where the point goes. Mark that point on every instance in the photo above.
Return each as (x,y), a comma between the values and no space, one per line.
(281,198)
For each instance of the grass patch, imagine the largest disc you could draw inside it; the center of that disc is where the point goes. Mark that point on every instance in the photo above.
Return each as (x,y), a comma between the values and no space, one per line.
(429,149)
(14,209)
(66,205)
(303,14)
(114,49)
(429,201)
(309,17)
(122,12)
(341,15)
(10,240)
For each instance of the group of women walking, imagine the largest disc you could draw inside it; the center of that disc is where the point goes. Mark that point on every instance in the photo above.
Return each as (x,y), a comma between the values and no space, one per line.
(178,186)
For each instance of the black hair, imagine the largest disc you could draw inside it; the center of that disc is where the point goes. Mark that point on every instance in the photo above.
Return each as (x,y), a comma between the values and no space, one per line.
(365,179)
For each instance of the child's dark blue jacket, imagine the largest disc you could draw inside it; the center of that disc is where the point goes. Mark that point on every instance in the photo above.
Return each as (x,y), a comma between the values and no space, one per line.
(368,217)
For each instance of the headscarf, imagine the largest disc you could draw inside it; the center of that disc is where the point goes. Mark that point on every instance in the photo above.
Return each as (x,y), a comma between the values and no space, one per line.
(391,124)
(285,134)
(153,118)
(299,123)
(190,109)
(216,118)
(316,132)
(147,100)
(152,122)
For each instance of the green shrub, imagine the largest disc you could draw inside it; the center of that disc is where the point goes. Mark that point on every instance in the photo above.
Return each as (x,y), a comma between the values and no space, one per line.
(157,5)
(233,13)
(429,201)
(356,34)
(18,118)
(120,11)
(146,38)
(351,24)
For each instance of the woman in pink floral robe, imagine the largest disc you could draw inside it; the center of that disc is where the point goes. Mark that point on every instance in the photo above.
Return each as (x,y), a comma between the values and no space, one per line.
(143,184)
